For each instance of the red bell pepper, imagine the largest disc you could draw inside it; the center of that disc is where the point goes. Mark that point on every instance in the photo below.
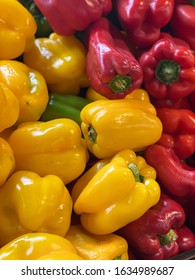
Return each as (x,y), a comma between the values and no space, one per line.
(186,239)
(175,177)
(154,235)
(178,130)
(191,100)
(143,20)
(168,69)
(182,23)
(67,17)
(112,69)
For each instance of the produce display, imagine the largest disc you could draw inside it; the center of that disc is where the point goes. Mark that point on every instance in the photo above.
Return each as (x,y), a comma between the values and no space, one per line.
(97,129)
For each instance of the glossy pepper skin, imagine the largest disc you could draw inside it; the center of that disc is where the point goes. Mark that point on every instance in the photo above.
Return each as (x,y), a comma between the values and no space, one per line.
(97,247)
(112,69)
(126,188)
(36,246)
(175,176)
(9,107)
(143,20)
(51,147)
(7,161)
(186,238)
(31,90)
(61,60)
(16,36)
(153,235)
(30,203)
(110,126)
(178,130)
(168,69)
(68,17)
(64,106)
(182,22)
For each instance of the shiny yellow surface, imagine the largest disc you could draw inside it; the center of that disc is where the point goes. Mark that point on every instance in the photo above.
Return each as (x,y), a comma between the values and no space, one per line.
(9,108)
(97,247)
(120,124)
(30,203)
(7,161)
(29,87)
(17,29)
(62,62)
(113,198)
(33,246)
(52,147)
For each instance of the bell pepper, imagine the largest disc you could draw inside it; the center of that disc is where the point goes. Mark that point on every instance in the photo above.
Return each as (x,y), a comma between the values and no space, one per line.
(51,147)
(178,130)
(29,87)
(35,246)
(68,17)
(143,20)
(186,239)
(16,36)
(110,126)
(182,21)
(64,106)
(134,190)
(62,62)
(97,247)
(153,236)
(30,203)
(168,69)
(175,176)
(191,99)
(9,107)
(7,161)
(112,69)
(43,26)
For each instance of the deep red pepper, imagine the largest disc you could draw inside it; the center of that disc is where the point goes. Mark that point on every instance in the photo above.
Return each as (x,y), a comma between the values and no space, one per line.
(191,100)
(175,176)
(143,20)
(182,23)
(112,69)
(168,69)
(186,239)
(178,130)
(67,17)
(154,235)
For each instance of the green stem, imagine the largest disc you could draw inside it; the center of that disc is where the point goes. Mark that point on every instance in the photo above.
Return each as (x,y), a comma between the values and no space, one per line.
(120,83)
(167,71)
(92,134)
(135,170)
(117,258)
(167,238)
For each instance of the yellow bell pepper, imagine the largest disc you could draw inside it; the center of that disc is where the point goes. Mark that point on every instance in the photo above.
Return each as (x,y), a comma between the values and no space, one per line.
(52,147)
(17,29)
(110,126)
(9,108)
(7,161)
(119,193)
(62,62)
(97,247)
(93,95)
(30,203)
(34,246)
(29,87)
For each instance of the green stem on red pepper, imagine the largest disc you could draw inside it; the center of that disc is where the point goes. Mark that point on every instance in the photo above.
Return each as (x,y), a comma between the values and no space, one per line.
(167,71)
(120,83)
(167,238)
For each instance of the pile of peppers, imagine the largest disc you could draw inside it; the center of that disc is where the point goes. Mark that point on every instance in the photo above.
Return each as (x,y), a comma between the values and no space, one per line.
(97,129)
